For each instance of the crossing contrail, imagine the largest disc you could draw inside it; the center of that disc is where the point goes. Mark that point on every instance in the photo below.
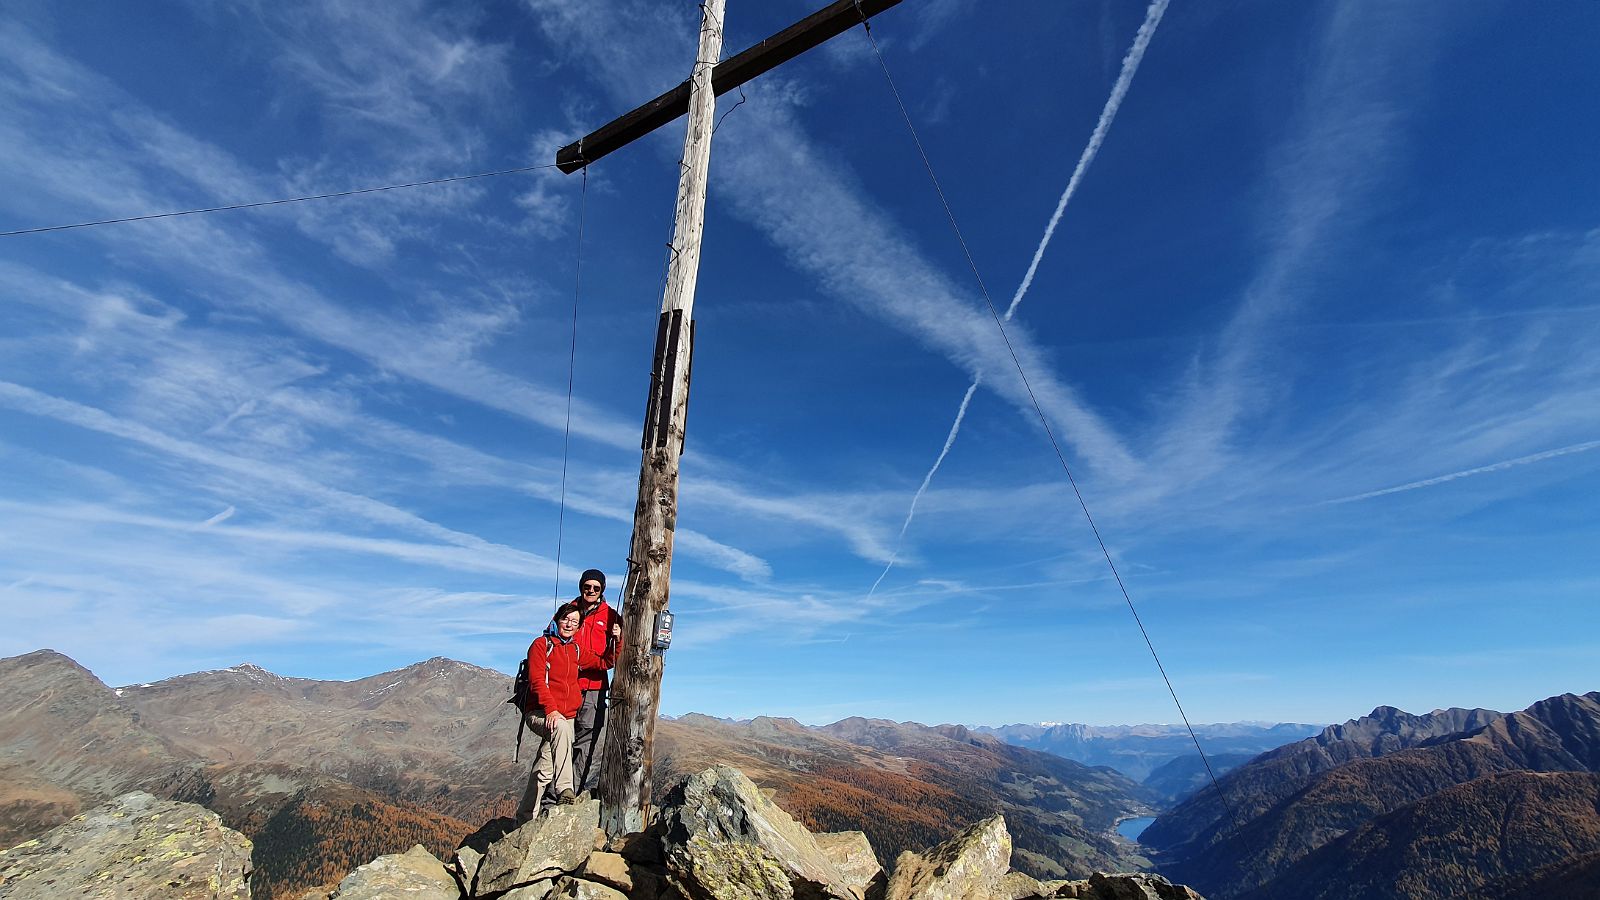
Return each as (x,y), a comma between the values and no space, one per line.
(1480,470)
(1130,65)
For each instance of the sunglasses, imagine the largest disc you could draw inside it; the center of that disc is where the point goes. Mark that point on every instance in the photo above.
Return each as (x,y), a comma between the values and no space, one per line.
(592,589)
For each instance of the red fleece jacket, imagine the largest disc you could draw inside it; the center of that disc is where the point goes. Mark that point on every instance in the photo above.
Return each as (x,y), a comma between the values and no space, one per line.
(591,636)
(553,674)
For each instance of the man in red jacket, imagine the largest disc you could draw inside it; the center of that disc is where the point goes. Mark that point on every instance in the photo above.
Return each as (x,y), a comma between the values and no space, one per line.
(554,659)
(596,634)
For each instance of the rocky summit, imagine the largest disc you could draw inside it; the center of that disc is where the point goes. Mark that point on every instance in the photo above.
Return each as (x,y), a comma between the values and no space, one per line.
(717,837)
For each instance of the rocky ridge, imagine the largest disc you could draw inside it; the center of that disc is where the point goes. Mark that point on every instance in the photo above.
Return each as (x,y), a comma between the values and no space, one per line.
(718,838)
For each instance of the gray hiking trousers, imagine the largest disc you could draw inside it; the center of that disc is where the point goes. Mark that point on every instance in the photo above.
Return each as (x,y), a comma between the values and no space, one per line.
(588,741)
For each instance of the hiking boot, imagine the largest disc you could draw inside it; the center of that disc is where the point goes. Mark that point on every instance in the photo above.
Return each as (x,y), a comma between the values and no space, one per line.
(566,798)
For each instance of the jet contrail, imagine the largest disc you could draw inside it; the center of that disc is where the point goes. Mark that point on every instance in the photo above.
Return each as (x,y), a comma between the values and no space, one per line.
(923,488)
(1480,470)
(1130,65)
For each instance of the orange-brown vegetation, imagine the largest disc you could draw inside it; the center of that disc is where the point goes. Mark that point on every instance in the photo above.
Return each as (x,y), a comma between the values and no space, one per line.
(319,837)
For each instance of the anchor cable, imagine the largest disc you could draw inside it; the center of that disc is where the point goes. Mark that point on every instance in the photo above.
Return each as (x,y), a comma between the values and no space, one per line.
(1039,411)
(572,365)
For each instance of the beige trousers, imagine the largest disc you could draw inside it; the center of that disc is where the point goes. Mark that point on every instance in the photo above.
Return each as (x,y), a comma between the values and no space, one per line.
(552,769)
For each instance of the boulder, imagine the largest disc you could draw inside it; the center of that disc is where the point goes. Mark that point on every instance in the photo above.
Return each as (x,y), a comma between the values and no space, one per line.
(1137,886)
(570,888)
(609,869)
(552,844)
(1021,886)
(723,840)
(134,846)
(415,873)
(539,890)
(468,856)
(969,866)
(851,853)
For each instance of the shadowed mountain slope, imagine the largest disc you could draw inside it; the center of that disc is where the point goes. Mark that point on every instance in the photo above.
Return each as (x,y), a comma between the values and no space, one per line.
(1502,828)
(1577,878)
(1554,735)
(1255,788)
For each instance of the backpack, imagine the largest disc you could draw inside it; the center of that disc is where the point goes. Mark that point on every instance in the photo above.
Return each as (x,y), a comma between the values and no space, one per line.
(521,693)
(522,698)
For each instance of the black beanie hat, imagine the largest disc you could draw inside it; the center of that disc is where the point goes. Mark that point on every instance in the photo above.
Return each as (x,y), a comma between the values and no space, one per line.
(593,575)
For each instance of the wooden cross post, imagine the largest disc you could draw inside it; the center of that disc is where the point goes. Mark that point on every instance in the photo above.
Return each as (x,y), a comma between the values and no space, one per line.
(625,766)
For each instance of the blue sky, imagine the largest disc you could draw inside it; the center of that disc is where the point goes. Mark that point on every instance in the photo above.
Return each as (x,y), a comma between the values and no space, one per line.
(1316,329)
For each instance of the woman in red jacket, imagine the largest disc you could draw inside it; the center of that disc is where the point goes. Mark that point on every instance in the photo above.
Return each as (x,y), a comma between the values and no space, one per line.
(553,662)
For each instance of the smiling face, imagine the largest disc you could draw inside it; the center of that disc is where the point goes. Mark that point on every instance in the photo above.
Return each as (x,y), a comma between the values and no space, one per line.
(567,625)
(591,590)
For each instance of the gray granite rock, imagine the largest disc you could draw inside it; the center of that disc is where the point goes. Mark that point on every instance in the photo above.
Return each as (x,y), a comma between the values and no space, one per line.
(555,843)
(724,840)
(851,853)
(570,888)
(1135,886)
(414,875)
(969,866)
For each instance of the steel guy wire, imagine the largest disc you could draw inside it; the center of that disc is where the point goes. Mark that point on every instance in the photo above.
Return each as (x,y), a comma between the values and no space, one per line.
(572,366)
(1039,411)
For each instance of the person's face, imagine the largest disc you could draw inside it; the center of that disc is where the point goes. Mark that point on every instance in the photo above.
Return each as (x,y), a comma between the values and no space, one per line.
(591,591)
(567,625)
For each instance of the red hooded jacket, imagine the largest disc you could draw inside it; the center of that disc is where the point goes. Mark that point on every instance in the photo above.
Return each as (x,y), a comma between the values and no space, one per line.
(553,674)
(591,636)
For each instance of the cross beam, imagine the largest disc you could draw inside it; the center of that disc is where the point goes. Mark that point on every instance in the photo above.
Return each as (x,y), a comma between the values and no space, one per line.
(814,29)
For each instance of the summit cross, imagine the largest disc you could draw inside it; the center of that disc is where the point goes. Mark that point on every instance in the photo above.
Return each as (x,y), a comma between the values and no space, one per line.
(625,768)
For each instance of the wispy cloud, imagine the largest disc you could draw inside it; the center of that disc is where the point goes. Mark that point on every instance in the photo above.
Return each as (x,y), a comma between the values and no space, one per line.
(27,400)
(1102,127)
(1477,470)
(795,192)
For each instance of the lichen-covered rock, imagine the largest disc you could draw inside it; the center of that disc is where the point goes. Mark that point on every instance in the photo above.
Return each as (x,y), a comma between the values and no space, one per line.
(553,844)
(969,866)
(723,840)
(1136,886)
(1021,886)
(134,846)
(851,853)
(415,875)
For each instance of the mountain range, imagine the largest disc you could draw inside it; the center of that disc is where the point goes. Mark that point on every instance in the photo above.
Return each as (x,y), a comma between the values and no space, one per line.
(1477,794)
(327,775)
(1139,750)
